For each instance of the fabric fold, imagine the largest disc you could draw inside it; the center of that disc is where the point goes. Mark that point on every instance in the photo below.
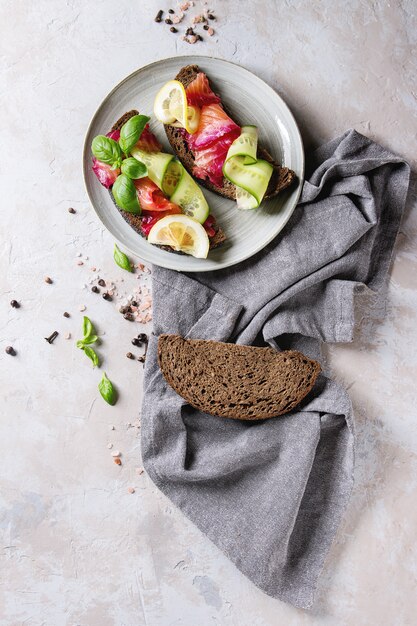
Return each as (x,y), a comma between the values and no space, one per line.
(271,494)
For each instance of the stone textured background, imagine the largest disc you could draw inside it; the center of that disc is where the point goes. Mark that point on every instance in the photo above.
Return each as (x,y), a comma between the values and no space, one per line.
(77,548)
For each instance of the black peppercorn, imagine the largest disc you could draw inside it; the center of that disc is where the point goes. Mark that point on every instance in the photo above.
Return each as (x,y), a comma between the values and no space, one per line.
(136,342)
(14,304)
(143,337)
(95,289)
(134,303)
(173,29)
(171,11)
(141,359)
(10,350)
(189,31)
(130,355)
(107,296)
(129,317)
(168,21)
(211,16)
(71,210)
(159,15)
(66,314)
(206,26)
(102,282)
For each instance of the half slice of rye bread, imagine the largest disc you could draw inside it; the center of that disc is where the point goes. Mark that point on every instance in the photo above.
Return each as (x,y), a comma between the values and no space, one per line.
(282,177)
(135,220)
(239,382)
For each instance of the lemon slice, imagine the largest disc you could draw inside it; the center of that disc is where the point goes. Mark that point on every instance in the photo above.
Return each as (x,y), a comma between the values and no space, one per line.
(171,107)
(182,233)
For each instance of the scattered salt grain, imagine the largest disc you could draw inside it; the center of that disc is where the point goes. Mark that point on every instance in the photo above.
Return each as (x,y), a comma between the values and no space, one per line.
(139,471)
(116,453)
(112,427)
(67,335)
(131,490)
(80,262)
(93,269)
(109,445)
(79,254)
(82,307)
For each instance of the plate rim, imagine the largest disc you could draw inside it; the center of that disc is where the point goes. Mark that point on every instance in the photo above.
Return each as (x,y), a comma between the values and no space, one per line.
(168,265)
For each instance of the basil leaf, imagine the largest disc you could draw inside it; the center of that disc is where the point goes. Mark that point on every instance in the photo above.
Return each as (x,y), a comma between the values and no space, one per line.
(91,355)
(134,168)
(121,259)
(88,328)
(86,341)
(107,151)
(124,193)
(131,131)
(107,391)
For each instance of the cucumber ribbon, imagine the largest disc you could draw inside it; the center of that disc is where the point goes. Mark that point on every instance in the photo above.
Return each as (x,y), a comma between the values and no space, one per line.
(250,175)
(175,182)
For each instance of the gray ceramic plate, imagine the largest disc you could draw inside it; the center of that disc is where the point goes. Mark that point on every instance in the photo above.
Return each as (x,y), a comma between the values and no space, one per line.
(250,101)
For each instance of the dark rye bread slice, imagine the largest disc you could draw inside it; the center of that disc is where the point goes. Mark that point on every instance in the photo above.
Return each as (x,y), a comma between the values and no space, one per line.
(282,177)
(135,221)
(239,382)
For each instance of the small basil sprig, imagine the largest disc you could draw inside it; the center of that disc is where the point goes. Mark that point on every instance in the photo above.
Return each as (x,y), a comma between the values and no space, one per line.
(121,259)
(124,193)
(134,168)
(89,337)
(107,151)
(107,391)
(131,132)
(92,354)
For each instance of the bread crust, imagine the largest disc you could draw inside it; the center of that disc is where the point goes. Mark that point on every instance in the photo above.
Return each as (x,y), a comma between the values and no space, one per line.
(282,177)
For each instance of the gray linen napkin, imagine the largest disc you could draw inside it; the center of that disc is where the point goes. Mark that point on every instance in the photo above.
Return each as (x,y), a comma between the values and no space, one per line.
(271,494)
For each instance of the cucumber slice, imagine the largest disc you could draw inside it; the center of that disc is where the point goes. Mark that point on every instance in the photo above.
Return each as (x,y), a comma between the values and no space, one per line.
(190,198)
(245,145)
(156,162)
(245,200)
(172,177)
(253,178)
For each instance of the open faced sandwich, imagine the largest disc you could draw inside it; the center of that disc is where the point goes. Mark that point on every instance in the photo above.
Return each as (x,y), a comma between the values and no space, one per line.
(152,190)
(224,156)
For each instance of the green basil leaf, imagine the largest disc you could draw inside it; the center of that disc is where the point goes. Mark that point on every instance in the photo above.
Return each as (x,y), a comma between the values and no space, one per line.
(91,355)
(131,131)
(88,328)
(134,168)
(108,392)
(121,259)
(86,341)
(124,193)
(107,150)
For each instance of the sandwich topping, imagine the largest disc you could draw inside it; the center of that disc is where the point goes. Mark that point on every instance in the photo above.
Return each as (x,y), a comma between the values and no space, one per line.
(153,185)
(221,149)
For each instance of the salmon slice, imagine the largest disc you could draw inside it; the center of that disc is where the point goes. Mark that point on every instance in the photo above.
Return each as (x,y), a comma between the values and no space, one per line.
(199,92)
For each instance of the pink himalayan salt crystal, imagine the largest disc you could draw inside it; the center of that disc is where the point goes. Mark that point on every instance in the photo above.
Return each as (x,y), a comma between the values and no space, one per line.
(177,18)
(210,32)
(198,19)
